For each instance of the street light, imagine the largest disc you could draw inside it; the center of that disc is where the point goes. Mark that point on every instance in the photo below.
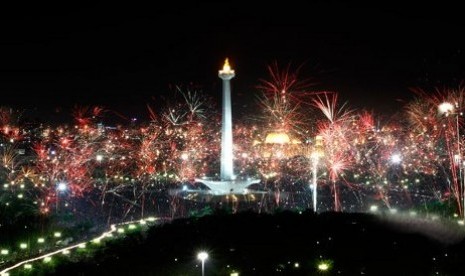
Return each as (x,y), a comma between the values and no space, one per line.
(396,158)
(202,256)
(61,187)
(317,153)
(447,109)
(99,157)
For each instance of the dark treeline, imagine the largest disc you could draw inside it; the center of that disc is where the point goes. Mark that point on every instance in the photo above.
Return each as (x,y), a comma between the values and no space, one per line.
(285,243)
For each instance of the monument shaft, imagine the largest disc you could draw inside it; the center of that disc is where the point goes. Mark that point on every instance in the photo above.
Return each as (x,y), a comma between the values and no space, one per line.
(227,168)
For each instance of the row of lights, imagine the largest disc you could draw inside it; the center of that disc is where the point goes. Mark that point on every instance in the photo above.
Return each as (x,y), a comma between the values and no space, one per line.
(202,256)
(24,246)
(48,259)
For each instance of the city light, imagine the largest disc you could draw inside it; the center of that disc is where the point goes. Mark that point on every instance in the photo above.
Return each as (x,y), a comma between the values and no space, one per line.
(445,108)
(47,259)
(62,186)
(324,266)
(396,158)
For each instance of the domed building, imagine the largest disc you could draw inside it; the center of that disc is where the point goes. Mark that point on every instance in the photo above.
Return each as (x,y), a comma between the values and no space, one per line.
(280,145)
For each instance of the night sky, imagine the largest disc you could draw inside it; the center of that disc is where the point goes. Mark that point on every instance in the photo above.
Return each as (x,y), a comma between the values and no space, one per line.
(122,57)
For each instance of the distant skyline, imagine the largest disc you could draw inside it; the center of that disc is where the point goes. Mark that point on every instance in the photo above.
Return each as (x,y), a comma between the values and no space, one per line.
(120,59)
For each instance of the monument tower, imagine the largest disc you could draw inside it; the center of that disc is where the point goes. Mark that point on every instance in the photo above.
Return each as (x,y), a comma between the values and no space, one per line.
(227,184)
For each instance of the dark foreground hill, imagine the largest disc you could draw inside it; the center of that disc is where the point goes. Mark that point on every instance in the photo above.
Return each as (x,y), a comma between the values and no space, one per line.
(285,243)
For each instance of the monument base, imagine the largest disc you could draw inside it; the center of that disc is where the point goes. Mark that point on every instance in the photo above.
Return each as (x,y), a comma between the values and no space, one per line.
(221,187)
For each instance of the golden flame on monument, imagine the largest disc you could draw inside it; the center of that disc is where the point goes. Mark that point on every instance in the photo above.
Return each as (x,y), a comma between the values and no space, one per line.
(226,68)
